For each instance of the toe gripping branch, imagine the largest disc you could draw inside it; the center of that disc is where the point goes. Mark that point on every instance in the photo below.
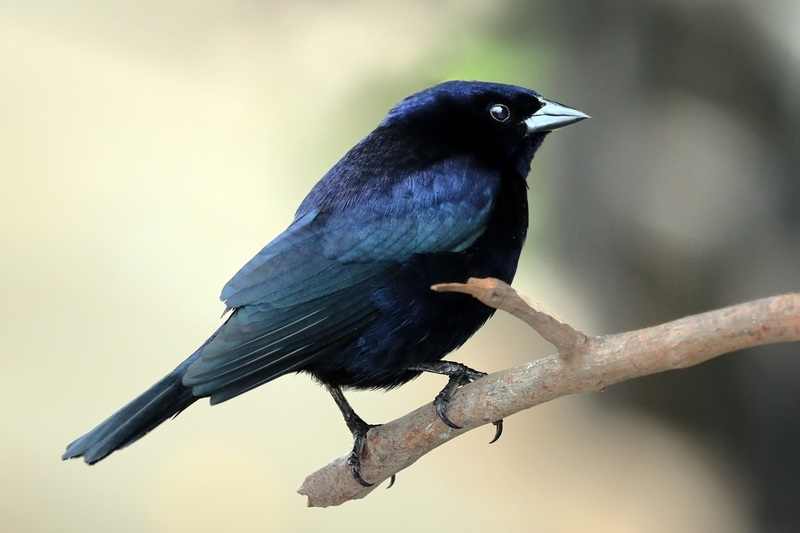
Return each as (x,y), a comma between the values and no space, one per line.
(459,375)
(359,429)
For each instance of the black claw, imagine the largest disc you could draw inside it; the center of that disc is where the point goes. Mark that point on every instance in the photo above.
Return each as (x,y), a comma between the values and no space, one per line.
(355,469)
(391,481)
(440,403)
(459,375)
(360,431)
(498,430)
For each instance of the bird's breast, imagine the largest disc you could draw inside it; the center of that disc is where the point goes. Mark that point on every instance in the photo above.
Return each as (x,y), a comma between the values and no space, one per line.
(413,323)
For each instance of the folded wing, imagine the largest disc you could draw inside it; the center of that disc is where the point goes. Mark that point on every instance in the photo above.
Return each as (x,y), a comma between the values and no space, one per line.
(309,291)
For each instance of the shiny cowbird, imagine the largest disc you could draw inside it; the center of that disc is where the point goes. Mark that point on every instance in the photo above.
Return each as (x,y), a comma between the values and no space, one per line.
(436,193)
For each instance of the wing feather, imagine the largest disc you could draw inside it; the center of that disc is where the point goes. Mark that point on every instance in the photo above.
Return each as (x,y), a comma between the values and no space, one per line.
(309,291)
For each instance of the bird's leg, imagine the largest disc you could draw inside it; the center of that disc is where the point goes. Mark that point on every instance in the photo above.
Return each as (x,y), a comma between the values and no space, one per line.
(459,375)
(359,429)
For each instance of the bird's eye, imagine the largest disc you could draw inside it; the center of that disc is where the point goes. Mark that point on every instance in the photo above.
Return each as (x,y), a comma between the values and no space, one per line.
(499,112)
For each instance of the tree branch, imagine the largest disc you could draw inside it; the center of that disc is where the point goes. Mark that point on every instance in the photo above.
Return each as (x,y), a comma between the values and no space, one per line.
(583,364)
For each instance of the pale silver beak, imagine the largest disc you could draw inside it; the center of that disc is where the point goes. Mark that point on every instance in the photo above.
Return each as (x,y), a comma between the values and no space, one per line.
(553,116)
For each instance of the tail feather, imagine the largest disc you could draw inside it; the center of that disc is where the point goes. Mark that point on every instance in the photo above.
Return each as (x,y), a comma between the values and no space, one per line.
(163,400)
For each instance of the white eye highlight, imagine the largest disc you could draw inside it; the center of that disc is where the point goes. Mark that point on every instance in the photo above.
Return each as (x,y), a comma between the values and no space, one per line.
(499,112)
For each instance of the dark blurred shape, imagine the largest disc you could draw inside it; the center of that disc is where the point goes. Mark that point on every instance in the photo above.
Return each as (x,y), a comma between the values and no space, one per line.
(683,196)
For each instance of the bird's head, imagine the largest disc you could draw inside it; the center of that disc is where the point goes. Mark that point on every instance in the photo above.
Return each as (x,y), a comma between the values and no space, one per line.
(492,119)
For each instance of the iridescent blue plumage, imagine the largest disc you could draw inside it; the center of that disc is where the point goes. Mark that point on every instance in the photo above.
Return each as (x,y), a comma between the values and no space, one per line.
(436,193)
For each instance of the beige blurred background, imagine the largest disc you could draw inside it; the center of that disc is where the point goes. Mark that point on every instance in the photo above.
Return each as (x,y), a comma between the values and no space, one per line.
(149,149)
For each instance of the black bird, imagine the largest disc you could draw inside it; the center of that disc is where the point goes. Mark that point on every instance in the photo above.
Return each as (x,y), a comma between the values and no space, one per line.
(436,193)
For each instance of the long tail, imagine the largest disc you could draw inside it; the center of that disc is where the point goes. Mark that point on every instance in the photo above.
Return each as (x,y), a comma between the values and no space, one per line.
(163,400)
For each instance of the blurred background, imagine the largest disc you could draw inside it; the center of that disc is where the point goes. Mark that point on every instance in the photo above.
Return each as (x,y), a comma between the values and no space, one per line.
(148,149)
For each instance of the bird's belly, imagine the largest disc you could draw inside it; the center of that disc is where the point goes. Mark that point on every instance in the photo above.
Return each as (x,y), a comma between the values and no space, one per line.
(382,355)
(413,323)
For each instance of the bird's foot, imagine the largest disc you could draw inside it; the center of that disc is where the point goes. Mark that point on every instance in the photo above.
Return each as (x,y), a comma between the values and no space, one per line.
(459,375)
(359,429)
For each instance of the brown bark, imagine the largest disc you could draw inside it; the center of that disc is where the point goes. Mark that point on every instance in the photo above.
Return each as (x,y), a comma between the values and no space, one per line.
(583,364)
